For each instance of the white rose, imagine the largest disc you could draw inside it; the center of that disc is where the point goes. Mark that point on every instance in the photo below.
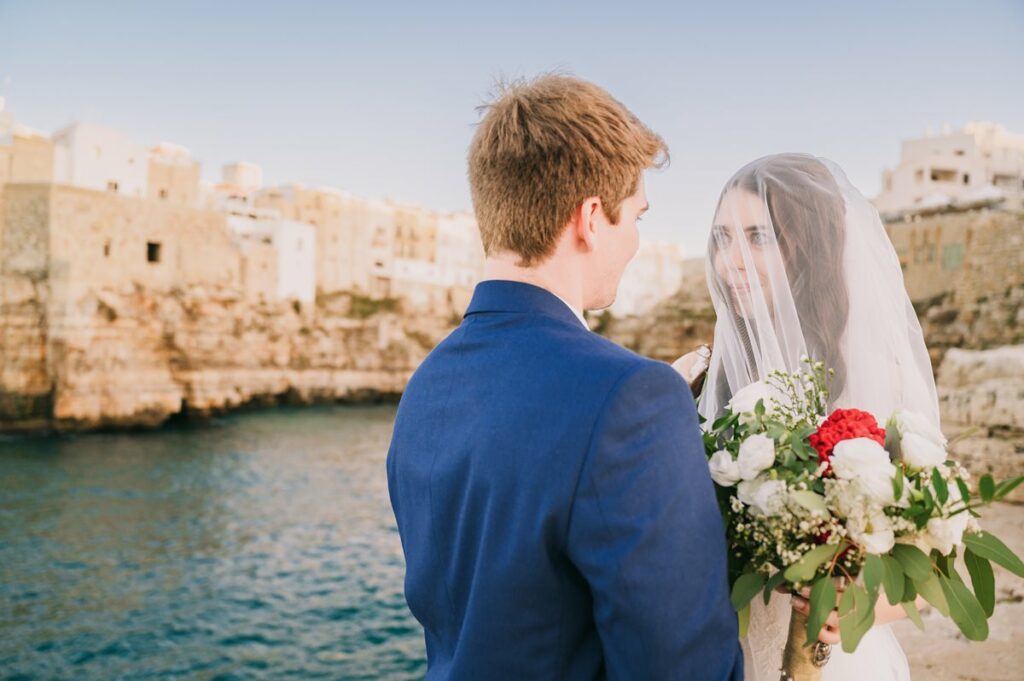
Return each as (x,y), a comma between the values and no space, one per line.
(851,459)
(920,452)
(724,470)
(757,453)
(945,533)
(912,422)
(764,496)
(876,484)
(872,531)
(864,460)
(745,399)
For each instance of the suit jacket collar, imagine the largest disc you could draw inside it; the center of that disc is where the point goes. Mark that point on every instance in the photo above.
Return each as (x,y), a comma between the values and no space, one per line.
(516,297)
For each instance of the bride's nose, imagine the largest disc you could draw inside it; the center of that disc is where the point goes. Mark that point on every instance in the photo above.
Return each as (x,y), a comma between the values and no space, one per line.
(736,254)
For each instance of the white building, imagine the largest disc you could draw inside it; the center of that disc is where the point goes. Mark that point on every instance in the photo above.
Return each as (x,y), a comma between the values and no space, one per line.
(980,164)
(6,119)
(654,274)
(95,157)
(244,175)
(460,253)
(294,243)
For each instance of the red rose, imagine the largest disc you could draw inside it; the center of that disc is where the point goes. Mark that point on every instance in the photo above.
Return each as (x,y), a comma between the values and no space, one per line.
(844,424)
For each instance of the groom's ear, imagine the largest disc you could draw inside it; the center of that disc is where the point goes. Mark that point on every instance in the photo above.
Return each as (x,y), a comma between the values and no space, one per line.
(586,220)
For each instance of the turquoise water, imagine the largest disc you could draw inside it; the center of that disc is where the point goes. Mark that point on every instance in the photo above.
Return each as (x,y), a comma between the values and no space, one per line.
(259,546)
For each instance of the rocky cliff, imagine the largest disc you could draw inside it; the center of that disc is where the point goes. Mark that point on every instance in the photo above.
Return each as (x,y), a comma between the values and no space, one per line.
(134,357)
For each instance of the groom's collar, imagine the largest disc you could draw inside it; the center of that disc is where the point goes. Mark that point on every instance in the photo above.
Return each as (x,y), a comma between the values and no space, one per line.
(497,295)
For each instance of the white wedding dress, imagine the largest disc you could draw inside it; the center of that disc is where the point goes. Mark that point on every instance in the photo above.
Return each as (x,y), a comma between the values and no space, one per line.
(878,656)
(799,265)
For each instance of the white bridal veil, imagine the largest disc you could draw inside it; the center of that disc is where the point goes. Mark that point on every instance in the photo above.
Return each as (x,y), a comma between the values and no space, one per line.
(798,265)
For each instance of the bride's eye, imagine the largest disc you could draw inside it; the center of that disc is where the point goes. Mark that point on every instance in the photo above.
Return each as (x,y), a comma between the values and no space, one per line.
(760,238)
(720,236)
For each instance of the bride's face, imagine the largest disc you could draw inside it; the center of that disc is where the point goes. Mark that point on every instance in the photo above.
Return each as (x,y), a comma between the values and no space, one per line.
(743,237)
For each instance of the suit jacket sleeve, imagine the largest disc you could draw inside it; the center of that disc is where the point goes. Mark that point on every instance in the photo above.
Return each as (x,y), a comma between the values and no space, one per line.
(646,534)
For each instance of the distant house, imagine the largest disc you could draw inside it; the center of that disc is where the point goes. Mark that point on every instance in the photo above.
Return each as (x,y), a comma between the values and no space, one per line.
(978,165)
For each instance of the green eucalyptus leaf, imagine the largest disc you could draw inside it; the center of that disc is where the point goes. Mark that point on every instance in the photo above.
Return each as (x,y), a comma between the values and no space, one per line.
(897,485)
(1007,486)
(892,579)
(929,501)
(805,568)
(941,489)
(744,620)
(857,621)
(913,560)
(872,573)
(846,602)
(726,421)
(987,487)
(745,588)
(775,580)
(965,492)
(822,601)
(982,579)
(910,607)
(945,563)
(909,589)
(964,609)
(987,546)
(931,590)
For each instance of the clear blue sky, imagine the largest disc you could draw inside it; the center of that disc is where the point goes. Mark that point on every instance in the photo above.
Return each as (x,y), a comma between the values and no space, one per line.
(378,98)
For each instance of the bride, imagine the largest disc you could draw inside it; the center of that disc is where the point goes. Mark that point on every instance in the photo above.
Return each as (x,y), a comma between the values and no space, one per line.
(798,265)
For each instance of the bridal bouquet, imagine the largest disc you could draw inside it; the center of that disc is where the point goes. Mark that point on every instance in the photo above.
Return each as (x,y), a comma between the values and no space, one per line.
(838,504)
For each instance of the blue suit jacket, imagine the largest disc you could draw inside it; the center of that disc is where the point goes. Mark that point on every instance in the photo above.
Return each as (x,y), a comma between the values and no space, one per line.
(555,507)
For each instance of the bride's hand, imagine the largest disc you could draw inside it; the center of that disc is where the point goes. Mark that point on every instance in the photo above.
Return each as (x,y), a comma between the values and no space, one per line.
(884,614)
(830,632)
(692,365)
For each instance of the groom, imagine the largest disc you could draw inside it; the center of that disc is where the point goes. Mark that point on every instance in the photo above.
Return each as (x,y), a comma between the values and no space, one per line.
(551,489)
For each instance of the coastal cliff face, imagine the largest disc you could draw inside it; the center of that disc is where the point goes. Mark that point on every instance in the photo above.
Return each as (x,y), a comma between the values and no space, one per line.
(116,312)
(133,357)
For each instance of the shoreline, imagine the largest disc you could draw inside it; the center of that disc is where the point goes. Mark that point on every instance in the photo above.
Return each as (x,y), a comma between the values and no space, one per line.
(197,418)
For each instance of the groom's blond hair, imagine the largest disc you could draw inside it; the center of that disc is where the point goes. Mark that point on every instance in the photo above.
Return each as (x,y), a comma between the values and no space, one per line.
(543,147)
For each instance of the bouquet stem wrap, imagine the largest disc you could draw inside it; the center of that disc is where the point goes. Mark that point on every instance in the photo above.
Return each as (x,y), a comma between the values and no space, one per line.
(802,662)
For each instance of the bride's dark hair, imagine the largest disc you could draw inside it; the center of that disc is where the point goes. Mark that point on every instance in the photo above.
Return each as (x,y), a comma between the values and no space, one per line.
(808,215)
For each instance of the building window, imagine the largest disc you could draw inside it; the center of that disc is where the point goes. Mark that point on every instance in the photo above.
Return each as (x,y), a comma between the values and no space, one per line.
(959,152)
(952,257)
(106,250)
(943,175)
(152,251)
(967,178)
(163,193)
(918,175)
(111,186)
